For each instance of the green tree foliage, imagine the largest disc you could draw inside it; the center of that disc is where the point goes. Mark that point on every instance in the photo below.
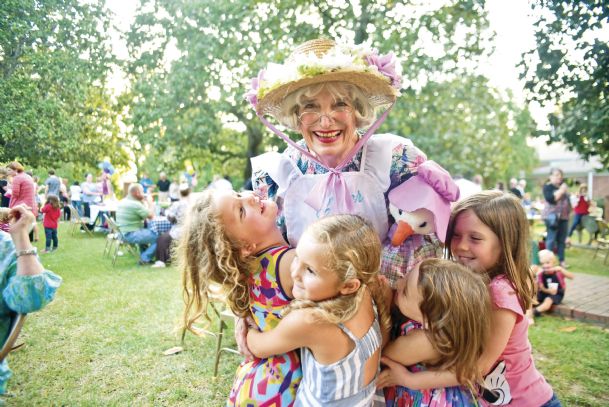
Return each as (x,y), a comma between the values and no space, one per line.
(54,61)
(569,69)
(192,62)
(468,127)
(220,45)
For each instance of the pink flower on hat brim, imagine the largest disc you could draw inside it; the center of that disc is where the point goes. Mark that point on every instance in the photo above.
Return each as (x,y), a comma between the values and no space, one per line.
(386,66)
(252,95)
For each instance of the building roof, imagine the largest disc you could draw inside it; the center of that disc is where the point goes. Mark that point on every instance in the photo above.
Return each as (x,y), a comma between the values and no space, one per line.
(556,155)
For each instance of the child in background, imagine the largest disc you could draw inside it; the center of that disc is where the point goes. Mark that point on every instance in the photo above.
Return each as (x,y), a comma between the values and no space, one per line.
(335,316)
(231,239)
(449,310)
(488,233)
(580,208)
(551,282)
(50,221)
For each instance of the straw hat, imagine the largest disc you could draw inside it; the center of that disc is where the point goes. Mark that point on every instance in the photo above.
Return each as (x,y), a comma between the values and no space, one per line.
(323,60)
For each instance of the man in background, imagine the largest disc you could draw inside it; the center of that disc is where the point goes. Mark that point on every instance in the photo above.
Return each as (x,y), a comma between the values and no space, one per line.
(131,213)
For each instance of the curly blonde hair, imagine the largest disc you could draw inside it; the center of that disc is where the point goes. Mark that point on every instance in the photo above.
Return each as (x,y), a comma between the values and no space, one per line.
(456,309)
(207,255)
(353,251)
(504,215)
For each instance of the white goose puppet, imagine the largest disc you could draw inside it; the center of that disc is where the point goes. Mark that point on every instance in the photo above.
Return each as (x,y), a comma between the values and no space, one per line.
(421,204)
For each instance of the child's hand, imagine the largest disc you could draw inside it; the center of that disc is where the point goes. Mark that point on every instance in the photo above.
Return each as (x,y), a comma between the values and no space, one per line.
(241,329)
(394,375)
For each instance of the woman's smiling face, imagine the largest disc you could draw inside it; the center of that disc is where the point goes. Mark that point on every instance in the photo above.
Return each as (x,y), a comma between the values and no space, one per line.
(332,136)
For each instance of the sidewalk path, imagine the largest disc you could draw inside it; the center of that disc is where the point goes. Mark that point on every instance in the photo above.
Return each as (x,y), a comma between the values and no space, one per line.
(586,299)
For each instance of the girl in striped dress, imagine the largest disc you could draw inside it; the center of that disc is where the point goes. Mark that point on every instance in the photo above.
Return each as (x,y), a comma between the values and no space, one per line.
(231,239)
(337,314)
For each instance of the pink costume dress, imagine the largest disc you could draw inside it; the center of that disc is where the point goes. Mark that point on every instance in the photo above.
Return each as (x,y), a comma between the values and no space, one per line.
(271,381)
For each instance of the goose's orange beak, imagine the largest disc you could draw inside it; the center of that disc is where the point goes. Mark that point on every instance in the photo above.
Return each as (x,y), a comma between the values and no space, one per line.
(403,231)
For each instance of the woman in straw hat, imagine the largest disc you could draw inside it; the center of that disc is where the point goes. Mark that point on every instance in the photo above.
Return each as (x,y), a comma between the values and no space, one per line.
(330,93)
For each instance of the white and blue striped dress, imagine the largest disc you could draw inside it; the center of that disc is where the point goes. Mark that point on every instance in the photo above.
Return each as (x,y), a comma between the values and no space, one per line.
(340,383)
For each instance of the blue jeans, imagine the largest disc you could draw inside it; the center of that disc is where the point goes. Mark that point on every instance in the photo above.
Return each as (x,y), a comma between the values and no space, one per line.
(78,206)
(50,235)
(143,237)
(577,219)
(557,237)
(553,402)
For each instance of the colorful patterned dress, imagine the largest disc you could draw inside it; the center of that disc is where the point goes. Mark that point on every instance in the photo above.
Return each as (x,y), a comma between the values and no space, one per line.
(272,381)
(399,396)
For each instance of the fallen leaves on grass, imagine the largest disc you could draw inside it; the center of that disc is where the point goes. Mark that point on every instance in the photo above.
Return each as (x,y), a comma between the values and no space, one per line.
(173,351)
(568,329)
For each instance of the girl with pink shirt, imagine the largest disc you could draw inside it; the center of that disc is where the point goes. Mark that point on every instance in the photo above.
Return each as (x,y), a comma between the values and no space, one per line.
(488,233)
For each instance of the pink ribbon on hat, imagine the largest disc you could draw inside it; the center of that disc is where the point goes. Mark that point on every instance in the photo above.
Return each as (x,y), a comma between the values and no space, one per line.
(334,182)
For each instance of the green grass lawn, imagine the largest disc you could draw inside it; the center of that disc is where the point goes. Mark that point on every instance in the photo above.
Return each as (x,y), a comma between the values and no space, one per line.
(101,341)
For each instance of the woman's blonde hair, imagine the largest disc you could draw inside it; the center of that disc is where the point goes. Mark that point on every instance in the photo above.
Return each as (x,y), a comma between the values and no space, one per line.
(504,215)
(293,104)
(353,251)
(456,309)
(207,255)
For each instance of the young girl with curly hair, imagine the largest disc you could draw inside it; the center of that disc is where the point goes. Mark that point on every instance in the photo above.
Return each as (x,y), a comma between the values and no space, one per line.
(231,239)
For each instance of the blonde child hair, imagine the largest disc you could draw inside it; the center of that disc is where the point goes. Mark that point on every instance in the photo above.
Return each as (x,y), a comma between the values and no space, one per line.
(504,215)
(547,255)
(353,252)
(456,314)
(207,255)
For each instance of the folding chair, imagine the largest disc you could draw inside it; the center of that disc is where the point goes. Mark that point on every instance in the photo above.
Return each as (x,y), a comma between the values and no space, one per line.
(590,224)
(111,237)
(17,321)
(223,315)
(117,240)
(77,221)
(602,244)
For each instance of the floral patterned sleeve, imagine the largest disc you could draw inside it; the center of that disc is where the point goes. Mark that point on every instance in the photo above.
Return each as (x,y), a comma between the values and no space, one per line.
(263,185)
(23,294)
(405,158)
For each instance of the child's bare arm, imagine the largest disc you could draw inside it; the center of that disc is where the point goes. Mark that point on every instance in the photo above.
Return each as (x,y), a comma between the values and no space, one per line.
(410,349)
(503,322)
(291,333)
(567,273)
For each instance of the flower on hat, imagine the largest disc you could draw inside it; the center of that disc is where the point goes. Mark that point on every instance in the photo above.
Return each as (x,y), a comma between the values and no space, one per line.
(342,57)
(252,95)
(385,64)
